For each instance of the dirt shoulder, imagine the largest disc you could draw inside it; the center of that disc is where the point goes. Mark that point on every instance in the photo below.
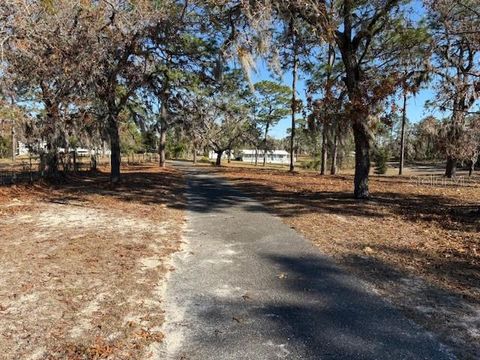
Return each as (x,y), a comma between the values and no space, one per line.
(83,265)
(415,243)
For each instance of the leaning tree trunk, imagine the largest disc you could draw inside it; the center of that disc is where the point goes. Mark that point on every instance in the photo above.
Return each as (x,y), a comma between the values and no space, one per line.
(115,157)
(218,162)
(362,159)
(451,168)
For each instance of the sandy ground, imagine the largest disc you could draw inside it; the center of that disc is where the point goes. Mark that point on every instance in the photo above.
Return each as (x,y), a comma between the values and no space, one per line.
(417,242)
(83,265)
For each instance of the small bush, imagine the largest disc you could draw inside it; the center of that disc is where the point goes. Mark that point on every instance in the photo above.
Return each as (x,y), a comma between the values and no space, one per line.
(311,165)
(5,147)
(381,157)
(178,150)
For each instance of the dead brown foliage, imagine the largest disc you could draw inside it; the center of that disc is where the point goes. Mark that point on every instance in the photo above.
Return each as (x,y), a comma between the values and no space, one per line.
(83,265)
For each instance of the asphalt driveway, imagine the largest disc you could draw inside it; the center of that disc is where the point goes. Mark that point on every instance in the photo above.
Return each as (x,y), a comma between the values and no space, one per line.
(246,286)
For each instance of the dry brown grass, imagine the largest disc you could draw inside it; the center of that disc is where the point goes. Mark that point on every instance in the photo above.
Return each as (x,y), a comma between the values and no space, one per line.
(83,265)
(418,245)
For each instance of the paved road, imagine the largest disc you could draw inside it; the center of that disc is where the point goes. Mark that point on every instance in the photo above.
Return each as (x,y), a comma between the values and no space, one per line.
(247,286)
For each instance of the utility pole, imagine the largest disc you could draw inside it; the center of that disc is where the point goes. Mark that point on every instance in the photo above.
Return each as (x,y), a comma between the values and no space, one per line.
(402,135)
(294,90)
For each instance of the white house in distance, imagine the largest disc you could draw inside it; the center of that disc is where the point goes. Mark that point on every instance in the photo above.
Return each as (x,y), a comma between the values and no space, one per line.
(212,155)
(24,149)
(273,156)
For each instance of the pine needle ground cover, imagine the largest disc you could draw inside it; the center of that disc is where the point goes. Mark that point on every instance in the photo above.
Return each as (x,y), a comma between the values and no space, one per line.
(83,265)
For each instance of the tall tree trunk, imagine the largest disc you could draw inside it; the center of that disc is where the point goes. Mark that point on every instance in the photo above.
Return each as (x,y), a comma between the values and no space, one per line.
(162,145)
(66,165)
(451,168)
(362,160)
(51,161)
(471,167)
(194,154)
(163,128)
(402,136)
(333,168)
(265,146)
(53,119)
(256,156)
(328,90)
(218,162)
(323,164)
(14,143)
(356,95)
(115,156)
(457,121)
(75,165)
(93,162)
(294,92)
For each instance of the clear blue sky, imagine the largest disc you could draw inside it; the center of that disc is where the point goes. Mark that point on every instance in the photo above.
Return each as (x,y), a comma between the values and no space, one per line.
(416,109)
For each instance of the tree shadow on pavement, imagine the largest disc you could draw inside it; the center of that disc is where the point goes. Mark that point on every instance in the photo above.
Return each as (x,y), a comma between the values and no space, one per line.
(323,312)
(425,302)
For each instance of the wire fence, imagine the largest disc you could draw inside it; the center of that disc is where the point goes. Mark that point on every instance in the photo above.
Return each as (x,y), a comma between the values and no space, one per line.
(29,169)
